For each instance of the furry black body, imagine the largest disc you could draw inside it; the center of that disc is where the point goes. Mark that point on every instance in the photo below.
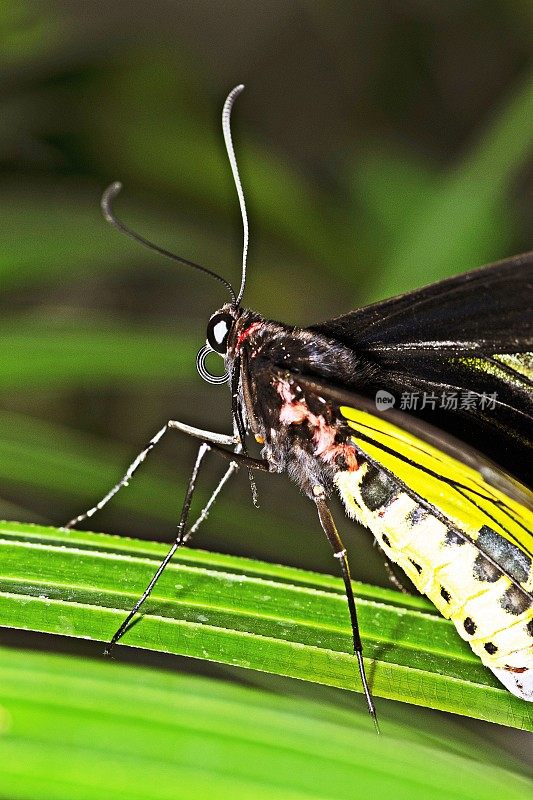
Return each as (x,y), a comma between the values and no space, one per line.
(262,349)
(432,340)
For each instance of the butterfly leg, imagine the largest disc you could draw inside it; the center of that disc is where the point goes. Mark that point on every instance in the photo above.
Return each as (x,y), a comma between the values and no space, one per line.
(202,451)
(216,440)
(339,551)
(204,513)
(122,482)
(184,535)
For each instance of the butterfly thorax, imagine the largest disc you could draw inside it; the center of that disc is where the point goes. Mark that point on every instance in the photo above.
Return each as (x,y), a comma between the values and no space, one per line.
(301,434)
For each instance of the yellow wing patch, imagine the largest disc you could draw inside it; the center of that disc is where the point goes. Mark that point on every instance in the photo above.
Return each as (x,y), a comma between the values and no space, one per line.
(456,490)
(519,362)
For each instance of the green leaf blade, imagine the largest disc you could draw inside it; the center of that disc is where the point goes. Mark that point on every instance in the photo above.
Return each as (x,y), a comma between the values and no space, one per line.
(230,610)
(70,728)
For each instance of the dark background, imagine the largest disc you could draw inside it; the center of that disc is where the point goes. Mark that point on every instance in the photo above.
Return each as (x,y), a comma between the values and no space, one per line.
(382,145)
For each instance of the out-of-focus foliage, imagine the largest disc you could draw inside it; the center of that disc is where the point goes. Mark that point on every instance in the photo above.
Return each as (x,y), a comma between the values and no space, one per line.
(69,728)
(381,146)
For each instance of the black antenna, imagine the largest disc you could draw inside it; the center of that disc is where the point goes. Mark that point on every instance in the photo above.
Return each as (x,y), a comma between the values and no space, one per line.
(107,199)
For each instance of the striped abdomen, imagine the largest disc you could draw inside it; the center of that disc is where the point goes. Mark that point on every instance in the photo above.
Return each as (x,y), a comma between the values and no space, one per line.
(475,585)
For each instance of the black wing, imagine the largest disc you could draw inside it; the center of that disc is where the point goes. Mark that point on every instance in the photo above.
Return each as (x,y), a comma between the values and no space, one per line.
(470,333)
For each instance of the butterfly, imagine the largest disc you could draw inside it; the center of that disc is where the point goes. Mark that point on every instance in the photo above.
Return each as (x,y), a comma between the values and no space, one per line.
(404,409)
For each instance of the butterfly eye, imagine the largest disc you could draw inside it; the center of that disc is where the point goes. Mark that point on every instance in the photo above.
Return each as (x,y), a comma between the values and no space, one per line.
(218,329)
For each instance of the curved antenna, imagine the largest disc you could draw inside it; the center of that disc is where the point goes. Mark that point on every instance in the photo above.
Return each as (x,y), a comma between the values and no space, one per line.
(105,203)
(226,129)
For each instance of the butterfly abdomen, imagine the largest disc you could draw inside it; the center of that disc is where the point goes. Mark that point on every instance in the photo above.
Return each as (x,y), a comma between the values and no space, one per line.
(468,586)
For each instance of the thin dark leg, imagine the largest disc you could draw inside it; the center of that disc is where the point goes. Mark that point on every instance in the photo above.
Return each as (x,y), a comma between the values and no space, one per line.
(339,551)
(236,412)
(241,459)
(204,448)
(204,513)
(122,482)
(214,440)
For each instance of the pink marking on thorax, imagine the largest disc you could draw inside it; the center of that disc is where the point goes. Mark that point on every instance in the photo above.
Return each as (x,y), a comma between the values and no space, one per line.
(246,333)
(294,412)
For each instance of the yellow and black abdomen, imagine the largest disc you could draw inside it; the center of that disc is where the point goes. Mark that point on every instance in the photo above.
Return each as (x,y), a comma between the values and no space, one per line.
(474,576)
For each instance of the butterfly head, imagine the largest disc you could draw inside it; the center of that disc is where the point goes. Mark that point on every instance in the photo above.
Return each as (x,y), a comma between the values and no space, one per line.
(219,335)
(219,329)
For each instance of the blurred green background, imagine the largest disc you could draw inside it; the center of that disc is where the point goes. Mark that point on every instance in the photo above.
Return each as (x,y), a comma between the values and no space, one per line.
(382,145)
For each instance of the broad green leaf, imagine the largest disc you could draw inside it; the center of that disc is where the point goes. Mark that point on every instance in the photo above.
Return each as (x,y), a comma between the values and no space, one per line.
(73,728)
(245,613)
